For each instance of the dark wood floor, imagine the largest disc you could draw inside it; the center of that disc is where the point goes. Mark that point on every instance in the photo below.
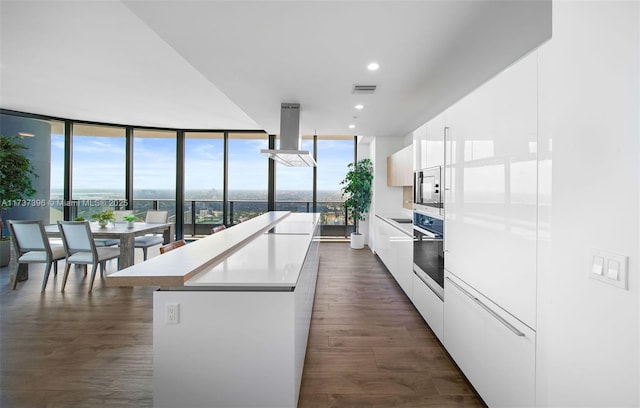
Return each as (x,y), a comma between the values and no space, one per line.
(368,347)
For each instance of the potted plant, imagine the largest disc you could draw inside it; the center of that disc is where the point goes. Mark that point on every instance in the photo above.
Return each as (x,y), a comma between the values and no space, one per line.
(103,217)
(16,174)
(130,220)
(357,190)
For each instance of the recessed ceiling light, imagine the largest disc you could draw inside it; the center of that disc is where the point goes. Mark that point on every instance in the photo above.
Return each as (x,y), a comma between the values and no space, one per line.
(373,66)
(359,106)
(352,126)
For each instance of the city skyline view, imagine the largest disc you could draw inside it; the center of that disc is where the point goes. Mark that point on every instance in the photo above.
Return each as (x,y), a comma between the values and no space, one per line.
(98,176)
(99,164)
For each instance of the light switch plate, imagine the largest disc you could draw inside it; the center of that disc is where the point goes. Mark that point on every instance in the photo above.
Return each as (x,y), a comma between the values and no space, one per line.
(607,275)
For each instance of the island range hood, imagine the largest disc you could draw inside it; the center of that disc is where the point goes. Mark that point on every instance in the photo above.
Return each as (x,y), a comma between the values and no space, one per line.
(289,152)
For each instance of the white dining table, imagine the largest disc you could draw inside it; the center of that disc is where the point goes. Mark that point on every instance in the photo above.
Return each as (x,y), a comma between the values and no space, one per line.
(125,234)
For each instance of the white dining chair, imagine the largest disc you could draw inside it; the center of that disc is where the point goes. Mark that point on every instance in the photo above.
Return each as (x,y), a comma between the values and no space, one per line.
(32,246)
(149,240)
(81,250)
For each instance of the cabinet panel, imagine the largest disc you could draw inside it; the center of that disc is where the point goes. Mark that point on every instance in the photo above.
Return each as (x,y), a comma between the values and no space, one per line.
(395,250)
(429,305)
(499,363)
(402,248)
(382,241)
(420,147)
(435,142)
(491,189)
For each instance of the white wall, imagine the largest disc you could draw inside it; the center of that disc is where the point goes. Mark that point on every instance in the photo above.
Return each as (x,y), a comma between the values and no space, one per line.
(385,199)
(589,332)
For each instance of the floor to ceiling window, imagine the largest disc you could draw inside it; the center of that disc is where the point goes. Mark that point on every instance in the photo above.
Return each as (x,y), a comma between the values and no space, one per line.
(98,179)
(154,172)
(334,155)
(98,176)
(294,185)
(248,176)
(38,138)
(203,181)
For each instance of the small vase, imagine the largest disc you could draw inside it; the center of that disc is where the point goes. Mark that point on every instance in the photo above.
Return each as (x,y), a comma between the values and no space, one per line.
(103,223)
(130,224)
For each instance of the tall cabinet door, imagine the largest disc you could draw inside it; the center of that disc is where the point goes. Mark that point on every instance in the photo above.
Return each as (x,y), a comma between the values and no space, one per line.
(491,189)
(420,147)
(435,142)
(428,143)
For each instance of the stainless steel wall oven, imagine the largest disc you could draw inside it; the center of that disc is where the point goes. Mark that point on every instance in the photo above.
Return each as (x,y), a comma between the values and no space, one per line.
(428,251)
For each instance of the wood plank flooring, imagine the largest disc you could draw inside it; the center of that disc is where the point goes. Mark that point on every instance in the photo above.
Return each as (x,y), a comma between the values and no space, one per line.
(368,347)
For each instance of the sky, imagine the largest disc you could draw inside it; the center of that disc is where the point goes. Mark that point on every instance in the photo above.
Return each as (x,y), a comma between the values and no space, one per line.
(98,163)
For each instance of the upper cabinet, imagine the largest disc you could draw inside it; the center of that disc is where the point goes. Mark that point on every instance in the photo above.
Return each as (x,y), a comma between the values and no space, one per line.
(428,142)
(435,142)
(399,168)
(420,147)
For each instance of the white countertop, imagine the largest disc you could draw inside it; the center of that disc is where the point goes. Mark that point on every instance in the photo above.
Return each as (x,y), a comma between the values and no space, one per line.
(273,259)
(245,255)
(406,228)
(175,267)
(270,260)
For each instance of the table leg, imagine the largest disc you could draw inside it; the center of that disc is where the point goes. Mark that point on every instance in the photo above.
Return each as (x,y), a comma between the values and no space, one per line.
(127,249)
(23,272)
(167,234)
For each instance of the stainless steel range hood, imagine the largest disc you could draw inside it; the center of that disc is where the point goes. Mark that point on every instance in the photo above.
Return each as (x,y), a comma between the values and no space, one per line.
(289,152)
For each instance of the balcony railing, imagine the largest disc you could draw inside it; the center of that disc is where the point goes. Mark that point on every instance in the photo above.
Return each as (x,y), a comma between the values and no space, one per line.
(202,215)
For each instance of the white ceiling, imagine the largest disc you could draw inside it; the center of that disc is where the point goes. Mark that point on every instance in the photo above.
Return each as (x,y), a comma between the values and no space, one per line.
(229,64)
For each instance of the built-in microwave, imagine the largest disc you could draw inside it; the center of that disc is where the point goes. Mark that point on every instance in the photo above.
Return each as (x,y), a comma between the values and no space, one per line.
(427,190)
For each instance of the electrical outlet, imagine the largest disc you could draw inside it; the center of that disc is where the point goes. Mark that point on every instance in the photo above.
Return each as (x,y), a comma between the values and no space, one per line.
(172,313)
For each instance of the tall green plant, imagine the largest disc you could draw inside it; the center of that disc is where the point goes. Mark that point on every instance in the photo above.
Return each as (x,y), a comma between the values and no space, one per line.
(357,189)
(16,173)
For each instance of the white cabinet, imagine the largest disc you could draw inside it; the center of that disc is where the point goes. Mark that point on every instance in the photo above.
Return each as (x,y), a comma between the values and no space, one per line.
(491,189)
(428,141)
(402,247)
(383,242)
(395,248)
(435,142)
(429,305)
(495,351)
(420,147)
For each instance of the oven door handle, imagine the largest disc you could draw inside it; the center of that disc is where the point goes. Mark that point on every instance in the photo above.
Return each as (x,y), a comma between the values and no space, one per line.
(425,232)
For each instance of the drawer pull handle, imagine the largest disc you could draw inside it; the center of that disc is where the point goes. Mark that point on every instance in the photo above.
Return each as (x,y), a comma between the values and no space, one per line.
(424,280)
(488,309)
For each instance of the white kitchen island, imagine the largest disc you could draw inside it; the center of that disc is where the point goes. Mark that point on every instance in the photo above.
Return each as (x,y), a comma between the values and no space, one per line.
(243,318)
